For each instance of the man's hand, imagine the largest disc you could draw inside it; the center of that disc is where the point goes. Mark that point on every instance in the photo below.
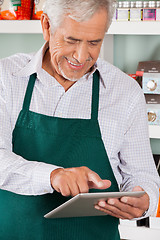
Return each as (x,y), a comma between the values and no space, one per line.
(72,181)
(125,207)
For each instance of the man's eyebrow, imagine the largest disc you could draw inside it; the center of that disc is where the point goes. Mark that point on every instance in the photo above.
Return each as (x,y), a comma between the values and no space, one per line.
(96,41)
(79,40)
(73,39)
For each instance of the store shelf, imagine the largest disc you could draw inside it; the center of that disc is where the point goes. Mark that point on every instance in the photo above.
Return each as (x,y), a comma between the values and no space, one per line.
(128,230)
(138,233)
(23,26)
(154,131)
(132,28)
(135,28)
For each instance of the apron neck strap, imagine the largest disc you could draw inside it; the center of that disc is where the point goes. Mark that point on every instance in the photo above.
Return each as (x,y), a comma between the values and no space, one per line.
(95,96)
(28,95)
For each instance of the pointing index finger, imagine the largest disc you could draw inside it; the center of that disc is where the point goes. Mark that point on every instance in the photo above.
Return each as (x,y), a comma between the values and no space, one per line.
(94,181)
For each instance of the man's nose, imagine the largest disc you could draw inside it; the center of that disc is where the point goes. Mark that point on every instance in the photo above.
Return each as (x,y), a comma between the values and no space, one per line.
(81,53)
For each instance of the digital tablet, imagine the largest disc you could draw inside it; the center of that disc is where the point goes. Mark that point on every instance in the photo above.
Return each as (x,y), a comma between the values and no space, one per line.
(82,205)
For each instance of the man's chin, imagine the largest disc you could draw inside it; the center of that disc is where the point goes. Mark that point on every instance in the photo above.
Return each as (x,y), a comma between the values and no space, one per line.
(72,78)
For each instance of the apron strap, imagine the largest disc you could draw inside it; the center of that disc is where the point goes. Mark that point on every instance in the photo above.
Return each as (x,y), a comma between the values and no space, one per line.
(28,95)
(95,96)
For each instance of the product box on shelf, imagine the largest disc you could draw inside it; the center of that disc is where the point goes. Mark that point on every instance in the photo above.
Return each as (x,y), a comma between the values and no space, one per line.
(149,11)
(153,116)
(134,76)
(0,9)
(123,11)
(158,11)
(136,11)
(16,9)
(148,74)
(151,83)
(152,98)
(38,9)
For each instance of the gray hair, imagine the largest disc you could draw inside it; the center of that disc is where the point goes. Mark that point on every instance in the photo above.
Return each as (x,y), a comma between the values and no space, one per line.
(79,10)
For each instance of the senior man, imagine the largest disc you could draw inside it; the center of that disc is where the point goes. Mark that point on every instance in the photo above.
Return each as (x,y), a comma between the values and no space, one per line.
(71,123)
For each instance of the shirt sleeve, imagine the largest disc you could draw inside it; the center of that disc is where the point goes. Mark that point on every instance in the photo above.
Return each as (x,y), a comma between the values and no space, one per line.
(17,174)
(136,160)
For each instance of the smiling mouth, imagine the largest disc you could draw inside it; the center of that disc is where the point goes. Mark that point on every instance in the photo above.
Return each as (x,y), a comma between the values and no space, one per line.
(74,65)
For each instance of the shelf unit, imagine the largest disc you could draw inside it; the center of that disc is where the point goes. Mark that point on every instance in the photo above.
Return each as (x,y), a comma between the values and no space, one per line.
(138,233)
(25,26)
(130,28)
(129,230)
(154,131)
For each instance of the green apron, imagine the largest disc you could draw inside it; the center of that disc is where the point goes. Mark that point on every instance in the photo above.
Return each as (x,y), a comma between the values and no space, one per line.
(64,142)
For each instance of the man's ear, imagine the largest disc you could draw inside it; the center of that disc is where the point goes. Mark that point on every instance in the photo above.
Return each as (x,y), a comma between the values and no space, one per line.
(46,28)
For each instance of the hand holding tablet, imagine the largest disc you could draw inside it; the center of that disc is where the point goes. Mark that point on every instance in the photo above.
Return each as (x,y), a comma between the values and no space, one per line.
(83,204)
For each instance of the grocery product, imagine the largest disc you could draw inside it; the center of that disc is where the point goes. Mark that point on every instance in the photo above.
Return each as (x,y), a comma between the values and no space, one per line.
(16,9)
(8,10)
(1,1)
(38,9)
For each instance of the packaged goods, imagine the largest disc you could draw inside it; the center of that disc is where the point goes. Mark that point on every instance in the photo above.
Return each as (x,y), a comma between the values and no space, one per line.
(136,12)
(151,83)
(16,9)
(1,1)
(115,12)
(158,11)
(24,9)
(38,9)
(149,11)
(134,76)
(8,10)
(148,77)
(153,116)
(123,11)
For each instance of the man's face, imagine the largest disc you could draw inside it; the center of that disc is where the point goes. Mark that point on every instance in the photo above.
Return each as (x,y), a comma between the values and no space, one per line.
(75,46)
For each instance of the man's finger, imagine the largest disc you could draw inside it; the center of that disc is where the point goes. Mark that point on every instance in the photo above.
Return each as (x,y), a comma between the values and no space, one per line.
(94,181)
(140,202)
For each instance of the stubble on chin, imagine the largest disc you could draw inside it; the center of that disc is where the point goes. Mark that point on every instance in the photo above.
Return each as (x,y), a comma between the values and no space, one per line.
(72,79)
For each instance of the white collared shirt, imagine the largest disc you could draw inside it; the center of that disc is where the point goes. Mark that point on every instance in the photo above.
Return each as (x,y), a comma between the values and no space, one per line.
(122,119)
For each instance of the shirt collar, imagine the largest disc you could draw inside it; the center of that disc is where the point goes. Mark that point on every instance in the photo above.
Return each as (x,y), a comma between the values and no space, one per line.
(35,66)
(35,63)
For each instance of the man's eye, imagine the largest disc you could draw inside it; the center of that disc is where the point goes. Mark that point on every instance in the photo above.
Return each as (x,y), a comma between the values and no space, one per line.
(71,42)
(93,43)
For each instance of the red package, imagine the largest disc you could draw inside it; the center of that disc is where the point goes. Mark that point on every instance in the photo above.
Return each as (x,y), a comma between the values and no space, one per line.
(16,9)
(24,10)
(38,9)
(133,76)
(0,9)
